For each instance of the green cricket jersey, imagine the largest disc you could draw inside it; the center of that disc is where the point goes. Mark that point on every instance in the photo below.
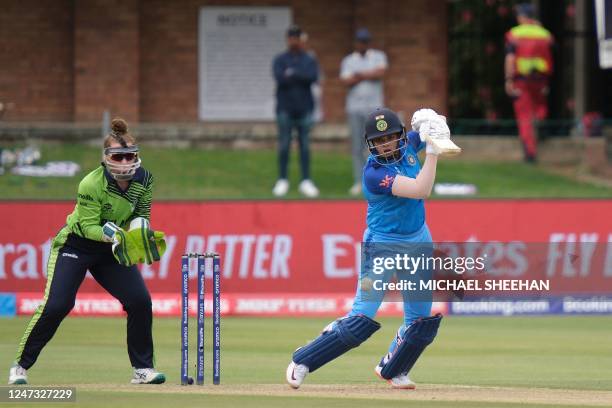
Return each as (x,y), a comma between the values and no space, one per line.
(100,200)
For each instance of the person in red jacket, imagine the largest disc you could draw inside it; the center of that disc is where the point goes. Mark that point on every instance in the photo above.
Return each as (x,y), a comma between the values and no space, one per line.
(528,67)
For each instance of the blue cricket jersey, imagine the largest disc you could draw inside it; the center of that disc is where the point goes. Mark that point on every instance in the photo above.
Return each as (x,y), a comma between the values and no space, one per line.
(386,212)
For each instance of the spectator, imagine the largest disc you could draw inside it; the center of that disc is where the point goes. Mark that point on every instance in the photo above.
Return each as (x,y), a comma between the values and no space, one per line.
(528,66)
(362,71)
(294,71)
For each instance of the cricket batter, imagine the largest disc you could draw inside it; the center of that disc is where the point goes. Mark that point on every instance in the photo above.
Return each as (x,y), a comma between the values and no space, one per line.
(112,198)
(394,184)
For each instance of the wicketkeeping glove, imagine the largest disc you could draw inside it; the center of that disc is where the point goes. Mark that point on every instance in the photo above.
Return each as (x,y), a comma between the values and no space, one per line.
(125,248)
(151,244)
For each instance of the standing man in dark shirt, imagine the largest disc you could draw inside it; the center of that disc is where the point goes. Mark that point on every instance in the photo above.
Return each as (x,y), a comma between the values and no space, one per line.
(294,71)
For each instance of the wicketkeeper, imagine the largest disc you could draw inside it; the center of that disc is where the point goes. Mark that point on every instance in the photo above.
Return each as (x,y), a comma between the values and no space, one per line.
(108,233)
(394,184)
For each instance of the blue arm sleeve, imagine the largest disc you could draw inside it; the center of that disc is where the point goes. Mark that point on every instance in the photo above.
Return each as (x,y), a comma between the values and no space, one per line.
(414,139)
(379,180)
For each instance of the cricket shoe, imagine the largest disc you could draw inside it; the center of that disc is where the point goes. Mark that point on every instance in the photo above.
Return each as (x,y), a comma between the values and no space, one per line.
(147,376)
(401,381)
(307,188)
(18,375)
(281,188)
(296,374)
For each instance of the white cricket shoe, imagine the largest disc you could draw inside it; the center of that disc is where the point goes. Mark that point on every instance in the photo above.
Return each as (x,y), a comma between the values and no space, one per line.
(17,375)
(355,189)
(147,376)
(308,188)
(401,381)
(281,188)
(296,374)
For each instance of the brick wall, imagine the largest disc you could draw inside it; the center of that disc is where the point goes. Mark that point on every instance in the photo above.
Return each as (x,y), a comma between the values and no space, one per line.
(169,61)
(106,59)
(139,57)
(413,34)
(36,54)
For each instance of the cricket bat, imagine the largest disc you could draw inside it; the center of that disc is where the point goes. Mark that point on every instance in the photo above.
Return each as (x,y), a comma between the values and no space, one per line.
(446,147)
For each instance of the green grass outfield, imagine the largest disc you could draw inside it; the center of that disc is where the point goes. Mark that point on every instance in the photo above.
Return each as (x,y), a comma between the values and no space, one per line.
(474,362)
(250,174)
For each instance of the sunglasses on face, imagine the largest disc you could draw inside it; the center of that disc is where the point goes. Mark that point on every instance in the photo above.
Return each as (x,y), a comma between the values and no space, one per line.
(120,156)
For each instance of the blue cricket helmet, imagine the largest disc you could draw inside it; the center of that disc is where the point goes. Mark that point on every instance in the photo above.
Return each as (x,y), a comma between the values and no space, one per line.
(384,122)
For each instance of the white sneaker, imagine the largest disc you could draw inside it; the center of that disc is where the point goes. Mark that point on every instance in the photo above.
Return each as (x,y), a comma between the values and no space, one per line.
(355,189)
(147,376)
(296,374)
(17,375)
(308,188)
(281,188)
(401,381)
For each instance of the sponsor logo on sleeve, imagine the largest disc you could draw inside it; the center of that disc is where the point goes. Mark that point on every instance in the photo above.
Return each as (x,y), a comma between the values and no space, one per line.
(386,182)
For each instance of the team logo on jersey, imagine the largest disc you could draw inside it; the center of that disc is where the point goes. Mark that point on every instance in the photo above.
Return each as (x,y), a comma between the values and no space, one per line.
(386,182)
(381,125)
(411,160)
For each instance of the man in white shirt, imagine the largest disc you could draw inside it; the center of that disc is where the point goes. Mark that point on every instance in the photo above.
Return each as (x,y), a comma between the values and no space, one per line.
(362,71)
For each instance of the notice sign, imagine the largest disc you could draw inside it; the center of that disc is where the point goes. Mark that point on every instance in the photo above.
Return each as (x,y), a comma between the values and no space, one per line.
(236,49)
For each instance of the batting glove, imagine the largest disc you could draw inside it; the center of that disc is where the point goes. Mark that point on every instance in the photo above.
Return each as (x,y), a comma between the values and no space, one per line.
(435,129)
(432,131)
(420,117)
